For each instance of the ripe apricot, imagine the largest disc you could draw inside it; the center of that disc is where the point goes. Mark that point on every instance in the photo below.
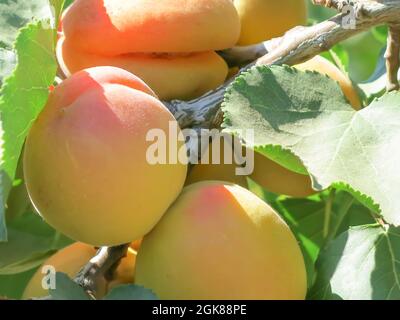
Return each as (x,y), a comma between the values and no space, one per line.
(277,179)
(169,44)
(182,76)
(324,66)
(266,19)
(85,159)
(220,241)
(70,260)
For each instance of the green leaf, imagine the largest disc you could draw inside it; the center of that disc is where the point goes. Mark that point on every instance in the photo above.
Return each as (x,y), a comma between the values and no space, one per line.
(362,264)
(31,241)
(13,286)
(308,220)
(130,292)
(66,289)
(23,96)
(307,115)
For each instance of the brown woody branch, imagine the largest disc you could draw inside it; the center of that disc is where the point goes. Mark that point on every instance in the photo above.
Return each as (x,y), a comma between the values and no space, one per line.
(100,268)
(392,57)
(296,46)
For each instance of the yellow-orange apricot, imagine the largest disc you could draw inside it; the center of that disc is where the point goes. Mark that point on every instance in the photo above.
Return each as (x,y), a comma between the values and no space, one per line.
(70,260)
(170,44)
(265,19)
(324,66)
(220,241)
(275,178)
(182,76)
(85,159)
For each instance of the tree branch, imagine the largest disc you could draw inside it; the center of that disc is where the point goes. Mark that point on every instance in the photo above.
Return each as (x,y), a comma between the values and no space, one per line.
(296,46)
(392,57)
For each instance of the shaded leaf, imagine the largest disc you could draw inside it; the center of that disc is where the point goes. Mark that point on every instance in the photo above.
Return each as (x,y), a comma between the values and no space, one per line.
(361,264)
(31,241)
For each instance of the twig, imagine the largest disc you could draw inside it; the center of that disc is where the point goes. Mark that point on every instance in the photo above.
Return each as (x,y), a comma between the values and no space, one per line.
(100,267)
(392,57)
(296,46)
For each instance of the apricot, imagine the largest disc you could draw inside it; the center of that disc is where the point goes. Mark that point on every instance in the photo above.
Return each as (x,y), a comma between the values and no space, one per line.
(277,179)
(175,76)
(70,260)
(220,241)
(262,20)
(324,66)
(85,160)
(222,169)
(169,44)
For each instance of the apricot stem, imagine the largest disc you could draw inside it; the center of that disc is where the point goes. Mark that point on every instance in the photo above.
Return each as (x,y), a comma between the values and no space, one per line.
(101,266)
(392,57)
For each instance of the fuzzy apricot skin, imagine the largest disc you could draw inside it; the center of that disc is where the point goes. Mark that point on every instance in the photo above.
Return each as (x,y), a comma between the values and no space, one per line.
(181,77)
(277,179)
(220,241)
(262,20)
(70,260)
(324,66)
(85,161)
(170,44)
(117,27)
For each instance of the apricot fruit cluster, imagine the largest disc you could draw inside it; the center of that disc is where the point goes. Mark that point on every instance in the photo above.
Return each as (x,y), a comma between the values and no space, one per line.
(86,163)
(169,44)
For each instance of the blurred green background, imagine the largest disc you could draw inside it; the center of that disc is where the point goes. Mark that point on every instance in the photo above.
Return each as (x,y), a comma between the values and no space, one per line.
(363,49)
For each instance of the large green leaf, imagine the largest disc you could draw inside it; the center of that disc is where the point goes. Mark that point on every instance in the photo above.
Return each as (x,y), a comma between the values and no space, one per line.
(362,263)
(23,96)
(306,114)
(316,221)
(30,242)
